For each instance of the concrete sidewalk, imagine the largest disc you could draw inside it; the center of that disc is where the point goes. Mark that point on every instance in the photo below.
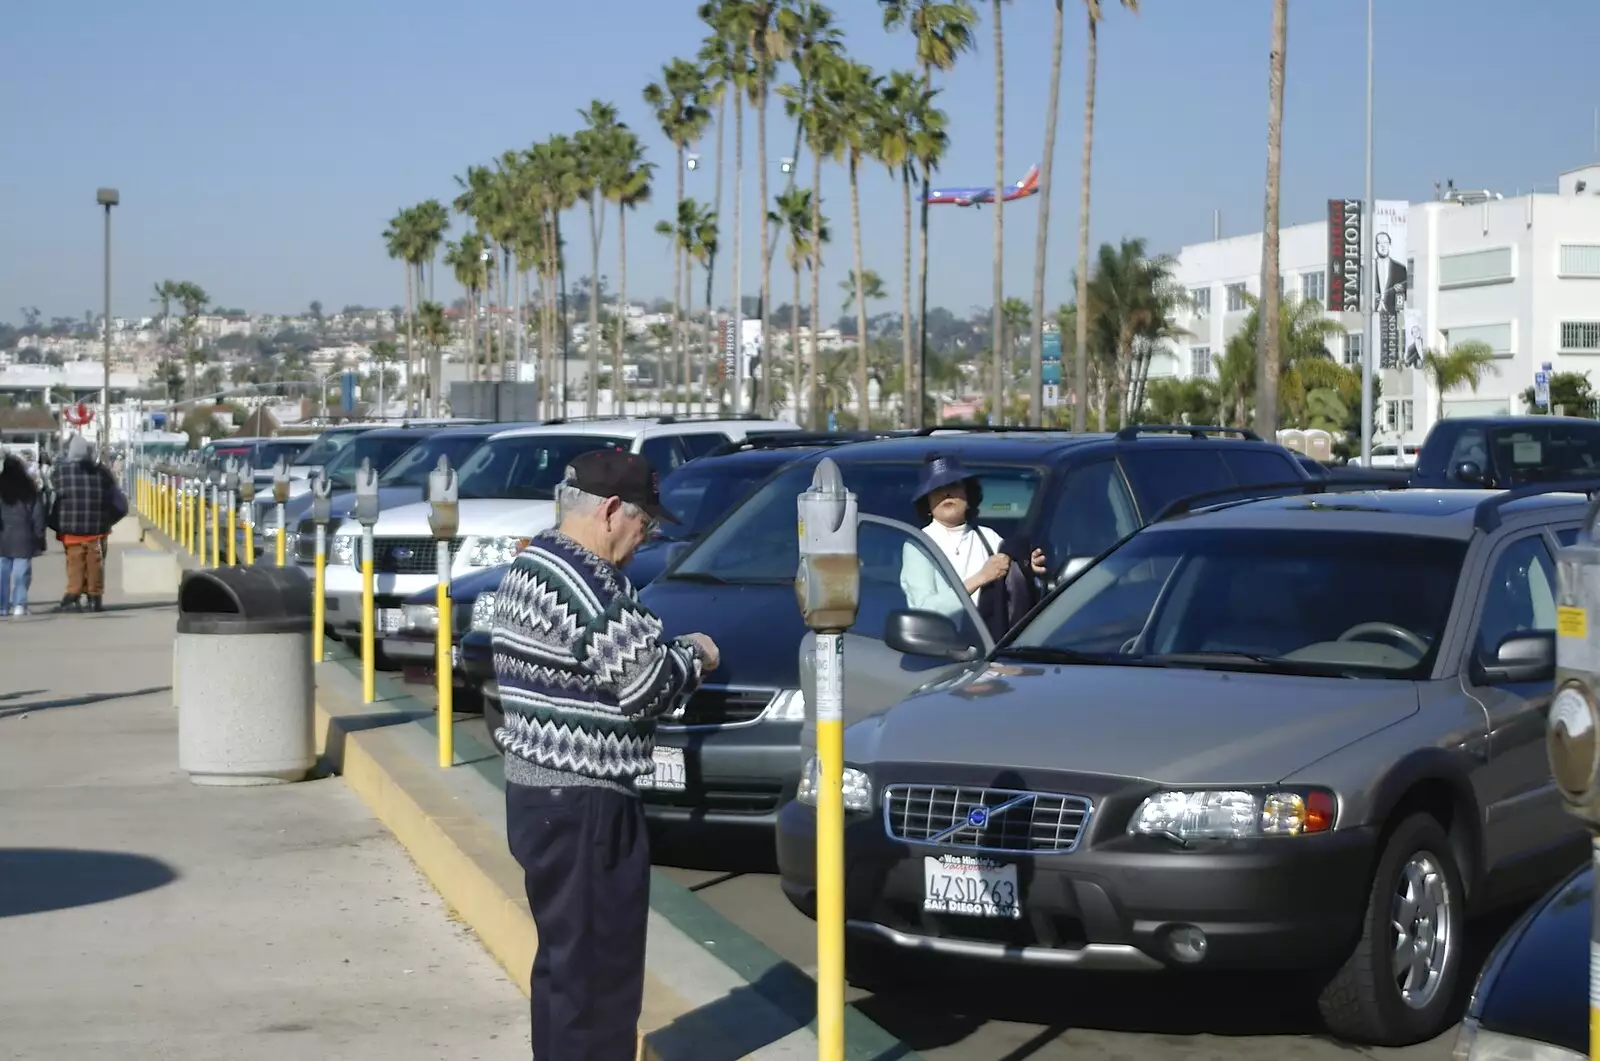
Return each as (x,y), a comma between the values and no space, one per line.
(142,917)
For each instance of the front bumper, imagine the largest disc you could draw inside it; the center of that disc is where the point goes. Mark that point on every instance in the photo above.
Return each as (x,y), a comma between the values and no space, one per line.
(1111,904)
(342,594)
(736,776)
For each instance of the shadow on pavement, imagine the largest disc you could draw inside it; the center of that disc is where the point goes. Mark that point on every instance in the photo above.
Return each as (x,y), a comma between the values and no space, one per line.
(80,701)
(37,879)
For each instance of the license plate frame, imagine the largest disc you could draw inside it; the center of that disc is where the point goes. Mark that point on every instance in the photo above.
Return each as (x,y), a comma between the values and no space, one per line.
(671,774)
(971,886)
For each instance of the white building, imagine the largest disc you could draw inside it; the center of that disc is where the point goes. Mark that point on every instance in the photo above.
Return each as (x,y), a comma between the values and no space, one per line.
(1520,274)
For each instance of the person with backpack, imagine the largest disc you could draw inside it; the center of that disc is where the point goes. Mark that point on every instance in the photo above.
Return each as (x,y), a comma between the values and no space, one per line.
(22,520)
(88,503)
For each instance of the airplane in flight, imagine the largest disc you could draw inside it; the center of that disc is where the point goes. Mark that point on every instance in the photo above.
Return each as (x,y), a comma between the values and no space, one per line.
(1028,185)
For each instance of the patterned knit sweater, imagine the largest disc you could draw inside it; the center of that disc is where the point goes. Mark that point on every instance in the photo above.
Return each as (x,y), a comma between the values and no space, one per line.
(582,669)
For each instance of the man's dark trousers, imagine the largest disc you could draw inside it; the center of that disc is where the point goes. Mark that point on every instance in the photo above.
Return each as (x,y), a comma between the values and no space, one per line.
(585,860)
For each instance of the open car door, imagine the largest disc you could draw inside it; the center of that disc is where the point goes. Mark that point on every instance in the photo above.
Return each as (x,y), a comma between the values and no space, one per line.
(906,581)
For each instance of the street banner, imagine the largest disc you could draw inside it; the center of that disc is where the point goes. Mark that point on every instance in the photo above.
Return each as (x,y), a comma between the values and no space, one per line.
(1389,279)
(1050,369)
(1344,255)
(1415,342)
(730,347)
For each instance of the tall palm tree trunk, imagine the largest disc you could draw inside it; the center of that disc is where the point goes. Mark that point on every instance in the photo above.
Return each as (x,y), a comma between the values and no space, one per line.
(863,409)
(907,416)
(472,333)
(1267,366)
(411,366)
(592,345)
(816,290)
(1080,356)
(677,284)
(795,374)
(687,352)
(922,307)
(1041,240)
(736,302)
(711,258)
(766,234)
(619,389)
(997,386)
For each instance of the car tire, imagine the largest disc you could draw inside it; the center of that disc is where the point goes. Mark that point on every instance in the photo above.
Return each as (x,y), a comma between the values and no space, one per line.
(1364,1002)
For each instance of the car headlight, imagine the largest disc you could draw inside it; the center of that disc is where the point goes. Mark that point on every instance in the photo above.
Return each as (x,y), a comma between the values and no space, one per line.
(788,706)
(492,552)
(857,787)
(483,611)
(420,618)
(344,550)
(1233,815)
(1474,1044)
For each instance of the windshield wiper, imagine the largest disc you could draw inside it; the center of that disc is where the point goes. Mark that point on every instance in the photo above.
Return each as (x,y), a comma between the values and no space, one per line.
(1249,661)
(702,577)
(1046,654)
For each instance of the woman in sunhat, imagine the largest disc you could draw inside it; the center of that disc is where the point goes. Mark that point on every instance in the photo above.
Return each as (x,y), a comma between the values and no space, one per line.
(946,502)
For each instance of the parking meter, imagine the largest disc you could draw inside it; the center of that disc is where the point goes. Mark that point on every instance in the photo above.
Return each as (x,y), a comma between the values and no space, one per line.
(443,519)
(214,490)
(367,515)
(230,493)
(321,513)
(280,495)
(828,588)
(247,503)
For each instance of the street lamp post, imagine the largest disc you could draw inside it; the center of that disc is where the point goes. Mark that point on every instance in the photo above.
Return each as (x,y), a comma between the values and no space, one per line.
(1367,295)
(107,197)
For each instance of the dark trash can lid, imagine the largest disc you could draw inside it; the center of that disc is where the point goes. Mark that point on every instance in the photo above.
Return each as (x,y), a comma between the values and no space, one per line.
(245,600)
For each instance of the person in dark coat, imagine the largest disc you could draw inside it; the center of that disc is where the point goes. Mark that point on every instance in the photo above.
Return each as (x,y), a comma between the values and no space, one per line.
(87,504)
(22,519)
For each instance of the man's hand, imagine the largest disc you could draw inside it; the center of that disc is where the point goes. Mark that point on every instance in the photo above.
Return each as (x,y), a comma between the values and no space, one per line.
(710,655)
(1038,562)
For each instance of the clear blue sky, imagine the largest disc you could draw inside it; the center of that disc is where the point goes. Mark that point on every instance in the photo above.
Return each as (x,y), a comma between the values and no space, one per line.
(260,148)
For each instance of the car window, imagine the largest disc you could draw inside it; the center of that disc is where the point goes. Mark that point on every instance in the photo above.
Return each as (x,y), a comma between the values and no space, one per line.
(663,453)
(1335,599)
(1568,535)
(1161,476)
(526,467)
(898,571)
(267,453)
(1093,513)
(1519,597)
(758,541)
(1545,453)
(1255,466)
(698,445)
(700,494)
(323,449)
(411,468)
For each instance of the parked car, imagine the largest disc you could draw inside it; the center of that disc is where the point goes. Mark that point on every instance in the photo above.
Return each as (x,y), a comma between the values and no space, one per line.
(1500,452)
(1532,1000)
(733,756)
(1296,734)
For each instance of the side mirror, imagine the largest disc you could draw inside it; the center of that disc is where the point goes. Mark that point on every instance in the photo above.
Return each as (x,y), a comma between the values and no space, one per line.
(1468,472)
(1522,657)
(917,633)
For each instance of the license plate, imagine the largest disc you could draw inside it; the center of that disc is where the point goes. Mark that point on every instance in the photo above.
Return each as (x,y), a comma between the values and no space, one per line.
(388,620)
(455,656)
(670,775)
(966,884)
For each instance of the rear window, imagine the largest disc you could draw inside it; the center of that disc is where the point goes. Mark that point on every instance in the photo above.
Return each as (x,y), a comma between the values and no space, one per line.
(1160,476)
(699,495)
(1545,453)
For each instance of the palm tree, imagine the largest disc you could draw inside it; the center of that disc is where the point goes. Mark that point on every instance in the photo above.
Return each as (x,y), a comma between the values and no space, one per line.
(434,330)
(466,259)
(1132,298)
(767,48)
(628,185)
(193,298)
(1267,361)
(997,384)
(869,288)
(679,103)
(400,239)
(165,293)
(430,221)
(599,147)
(1080,406)
(942,29)
(479,200)
(1465,363)
(726,53)
(794,213)
(902,97)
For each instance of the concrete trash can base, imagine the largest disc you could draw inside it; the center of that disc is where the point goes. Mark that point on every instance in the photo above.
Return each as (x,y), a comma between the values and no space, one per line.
(243,673)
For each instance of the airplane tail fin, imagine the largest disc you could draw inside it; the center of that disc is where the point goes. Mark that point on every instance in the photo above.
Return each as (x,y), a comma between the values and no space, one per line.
(1030,181)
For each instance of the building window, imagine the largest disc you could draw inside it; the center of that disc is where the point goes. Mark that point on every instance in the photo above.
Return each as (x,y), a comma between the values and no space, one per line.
(1200,361)
(1580,336)
(1398,414)
(1580,260)
(1200,297)
(1496,337)
(1236,302)
(1493,266)
(1314,287)
(1352,349)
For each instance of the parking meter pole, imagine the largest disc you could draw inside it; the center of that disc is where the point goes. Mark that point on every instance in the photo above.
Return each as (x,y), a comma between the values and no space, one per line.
(280,494)
(216,526)
(828,588)
(321,512)
(283,536)
(233,527)
(367,515)
(200,520)
(443,520)
(1573,726)
(247,500)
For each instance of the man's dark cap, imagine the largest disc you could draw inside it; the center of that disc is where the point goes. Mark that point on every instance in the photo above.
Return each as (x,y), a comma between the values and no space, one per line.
(627,476)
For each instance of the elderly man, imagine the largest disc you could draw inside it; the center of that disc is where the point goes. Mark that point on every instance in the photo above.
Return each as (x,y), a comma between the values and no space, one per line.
(87,504)
(583,674)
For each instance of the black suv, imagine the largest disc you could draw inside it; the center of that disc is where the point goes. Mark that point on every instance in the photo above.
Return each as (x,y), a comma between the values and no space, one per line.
(733,757)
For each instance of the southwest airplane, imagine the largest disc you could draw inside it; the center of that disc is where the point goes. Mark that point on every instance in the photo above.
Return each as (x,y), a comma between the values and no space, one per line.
(1028,185)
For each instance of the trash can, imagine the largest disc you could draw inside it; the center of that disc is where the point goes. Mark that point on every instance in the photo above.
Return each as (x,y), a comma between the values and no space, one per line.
(242,667)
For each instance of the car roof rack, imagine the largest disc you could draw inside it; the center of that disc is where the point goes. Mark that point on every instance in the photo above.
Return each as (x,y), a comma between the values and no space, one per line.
(924,432)
(1133,431)
(1190,502)
(1486,516)
(795,440)
(674,418)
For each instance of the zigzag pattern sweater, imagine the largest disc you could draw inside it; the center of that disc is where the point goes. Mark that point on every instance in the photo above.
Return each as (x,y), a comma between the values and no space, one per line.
(582,669)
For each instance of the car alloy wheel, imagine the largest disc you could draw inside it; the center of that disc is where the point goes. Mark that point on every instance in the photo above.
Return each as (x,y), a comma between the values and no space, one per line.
(1396,987)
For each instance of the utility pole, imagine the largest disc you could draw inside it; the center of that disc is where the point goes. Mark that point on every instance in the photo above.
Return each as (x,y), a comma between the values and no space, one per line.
(107,198)
(1368,298)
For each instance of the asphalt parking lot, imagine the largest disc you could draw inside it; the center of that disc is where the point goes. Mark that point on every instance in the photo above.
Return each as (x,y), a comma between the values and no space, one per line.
(970,1012)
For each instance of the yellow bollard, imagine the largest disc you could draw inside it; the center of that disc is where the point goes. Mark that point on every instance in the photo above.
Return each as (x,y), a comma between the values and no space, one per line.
(216,528)
(830,852)
(441,661)
(200,530)
(318,603)
(233,529)
(369,647)
(283,535)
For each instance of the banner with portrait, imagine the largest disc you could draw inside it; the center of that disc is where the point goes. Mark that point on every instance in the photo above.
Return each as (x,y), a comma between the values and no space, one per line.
(1390,280)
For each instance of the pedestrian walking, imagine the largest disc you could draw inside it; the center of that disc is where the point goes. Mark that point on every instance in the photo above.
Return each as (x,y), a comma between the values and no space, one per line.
(87,504)
(22,519)
(584,672)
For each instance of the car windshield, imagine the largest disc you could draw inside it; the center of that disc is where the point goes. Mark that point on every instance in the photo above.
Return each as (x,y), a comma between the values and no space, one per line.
(526,467)
(267,453)
(758,543)
(327,445)
(412,466)
(1356,604)
(382,450)
(699,494)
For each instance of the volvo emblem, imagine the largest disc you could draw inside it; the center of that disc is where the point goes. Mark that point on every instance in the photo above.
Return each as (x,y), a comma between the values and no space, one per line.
(402,554)
(978,817)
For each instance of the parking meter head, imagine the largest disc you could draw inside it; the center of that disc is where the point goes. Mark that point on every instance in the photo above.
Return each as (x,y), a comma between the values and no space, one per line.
(1572,727)
(321,497)
(366,493)
(443,511)
(247,486)
(280,480)
(828,582)
(230,477)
